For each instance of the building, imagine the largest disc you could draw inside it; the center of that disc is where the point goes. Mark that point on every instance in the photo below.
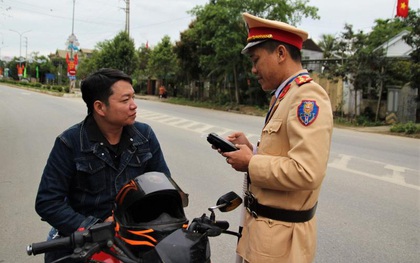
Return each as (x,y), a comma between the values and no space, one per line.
(82,53)
(401,104)
(311,54)
(396,46)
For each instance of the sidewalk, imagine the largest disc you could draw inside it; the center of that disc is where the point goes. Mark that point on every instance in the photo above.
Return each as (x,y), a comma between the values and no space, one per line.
(374,129)
(147,97)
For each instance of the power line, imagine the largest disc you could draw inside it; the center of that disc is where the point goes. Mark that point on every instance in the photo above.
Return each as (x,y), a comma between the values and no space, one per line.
(162,22)
(32,11)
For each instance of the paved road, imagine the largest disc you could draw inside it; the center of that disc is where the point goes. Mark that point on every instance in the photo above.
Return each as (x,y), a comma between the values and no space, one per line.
(369,207)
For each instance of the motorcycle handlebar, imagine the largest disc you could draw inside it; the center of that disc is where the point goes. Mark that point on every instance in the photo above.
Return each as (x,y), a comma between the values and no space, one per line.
(222,224)
(99,234)
(48,246)
(212,228)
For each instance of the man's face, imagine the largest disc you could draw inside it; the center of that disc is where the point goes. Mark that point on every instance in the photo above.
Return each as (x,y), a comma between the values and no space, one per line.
(121,110)
(265,66)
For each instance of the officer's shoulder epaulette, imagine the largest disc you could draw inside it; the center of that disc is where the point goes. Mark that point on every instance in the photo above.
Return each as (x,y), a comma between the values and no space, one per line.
(302,80)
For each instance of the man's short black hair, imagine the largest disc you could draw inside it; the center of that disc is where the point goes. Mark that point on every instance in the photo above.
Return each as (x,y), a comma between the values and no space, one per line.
(271,45)
(97,86)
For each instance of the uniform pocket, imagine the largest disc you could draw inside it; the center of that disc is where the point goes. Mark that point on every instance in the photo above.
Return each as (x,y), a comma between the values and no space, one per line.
(270,237)
(273,126)
(270,138)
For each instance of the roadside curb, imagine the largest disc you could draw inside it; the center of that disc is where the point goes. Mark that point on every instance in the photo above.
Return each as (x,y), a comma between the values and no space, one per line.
(375,129)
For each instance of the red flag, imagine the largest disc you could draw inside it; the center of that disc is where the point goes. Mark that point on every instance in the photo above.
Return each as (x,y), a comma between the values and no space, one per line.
(402,8)
(147,43)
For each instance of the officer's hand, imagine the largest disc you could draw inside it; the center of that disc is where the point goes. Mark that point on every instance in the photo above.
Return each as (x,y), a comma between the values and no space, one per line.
(239,160)
(239,138)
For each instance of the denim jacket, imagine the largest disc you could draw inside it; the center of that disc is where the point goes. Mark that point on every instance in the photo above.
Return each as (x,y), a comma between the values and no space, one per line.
(80,181)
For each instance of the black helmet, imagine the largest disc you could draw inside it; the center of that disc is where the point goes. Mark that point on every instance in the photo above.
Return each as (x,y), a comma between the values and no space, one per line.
(147,209)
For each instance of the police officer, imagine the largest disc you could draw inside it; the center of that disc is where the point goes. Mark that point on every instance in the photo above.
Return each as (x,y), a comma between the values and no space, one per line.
(286,168)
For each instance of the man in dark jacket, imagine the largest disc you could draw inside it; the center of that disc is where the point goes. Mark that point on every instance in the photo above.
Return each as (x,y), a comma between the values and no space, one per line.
(92,160)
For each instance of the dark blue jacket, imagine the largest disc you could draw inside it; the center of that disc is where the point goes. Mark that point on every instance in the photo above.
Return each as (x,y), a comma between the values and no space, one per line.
(80,180)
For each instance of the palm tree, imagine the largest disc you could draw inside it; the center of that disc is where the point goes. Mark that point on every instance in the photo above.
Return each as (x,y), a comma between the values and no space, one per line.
(329,45)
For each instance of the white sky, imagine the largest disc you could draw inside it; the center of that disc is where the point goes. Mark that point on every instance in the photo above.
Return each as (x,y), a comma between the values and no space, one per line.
(49,22)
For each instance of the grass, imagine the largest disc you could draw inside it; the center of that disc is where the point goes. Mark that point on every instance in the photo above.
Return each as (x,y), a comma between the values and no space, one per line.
(243,109)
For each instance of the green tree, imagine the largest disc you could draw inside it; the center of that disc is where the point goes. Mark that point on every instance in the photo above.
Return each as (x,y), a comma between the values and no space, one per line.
(142,74)
(12,66)
(382,31)
(144,55)
(187,50)
(349,47)
(89,65)
(118,53)
(413,39)
(44,66)
(163,62)
(220,33)
(287,11)
(388,71)
(329,45)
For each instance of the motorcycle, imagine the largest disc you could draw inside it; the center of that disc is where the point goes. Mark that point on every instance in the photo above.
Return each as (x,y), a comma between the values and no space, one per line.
(128,240)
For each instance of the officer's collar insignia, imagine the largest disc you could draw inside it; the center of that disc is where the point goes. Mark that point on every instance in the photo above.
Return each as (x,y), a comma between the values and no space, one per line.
(307,112)
(300,80)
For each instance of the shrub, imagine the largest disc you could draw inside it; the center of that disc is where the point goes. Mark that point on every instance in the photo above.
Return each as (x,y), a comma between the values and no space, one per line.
(407,128)
(399,127)
(362,120)
(410,128)
(57,88)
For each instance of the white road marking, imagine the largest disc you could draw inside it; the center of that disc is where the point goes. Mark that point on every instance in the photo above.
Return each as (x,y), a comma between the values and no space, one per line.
(396,176)
(341,162)
(194,126)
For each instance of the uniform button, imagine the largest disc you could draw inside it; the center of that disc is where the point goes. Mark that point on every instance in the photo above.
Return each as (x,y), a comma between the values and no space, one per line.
(270,222)
(131,139)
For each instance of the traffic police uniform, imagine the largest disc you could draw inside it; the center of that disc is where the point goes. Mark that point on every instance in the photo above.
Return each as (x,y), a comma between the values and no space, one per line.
(285,175)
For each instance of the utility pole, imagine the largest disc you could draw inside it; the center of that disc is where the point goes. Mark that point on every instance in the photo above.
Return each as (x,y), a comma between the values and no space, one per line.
(127,16)
(26,58)
(72,59)
(20,69)
(26,52)
(72,23)
(20,43)
(72,28)
(1,64)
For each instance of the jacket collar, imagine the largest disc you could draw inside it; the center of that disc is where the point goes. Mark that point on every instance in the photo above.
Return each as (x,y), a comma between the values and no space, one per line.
(91,137)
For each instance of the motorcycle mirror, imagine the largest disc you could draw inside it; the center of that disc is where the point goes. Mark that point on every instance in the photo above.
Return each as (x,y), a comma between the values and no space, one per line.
(229,202)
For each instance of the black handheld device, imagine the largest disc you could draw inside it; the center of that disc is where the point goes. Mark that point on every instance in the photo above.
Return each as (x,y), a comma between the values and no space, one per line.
(220,143)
